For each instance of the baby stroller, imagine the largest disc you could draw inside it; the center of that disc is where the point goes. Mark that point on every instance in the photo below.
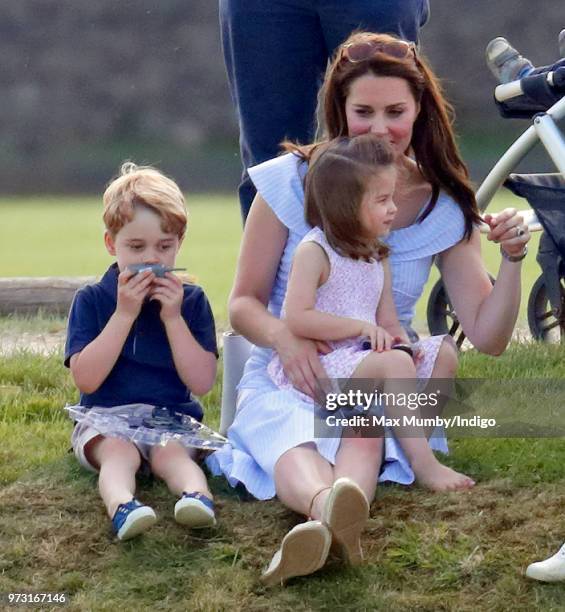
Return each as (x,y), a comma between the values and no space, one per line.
(539,97)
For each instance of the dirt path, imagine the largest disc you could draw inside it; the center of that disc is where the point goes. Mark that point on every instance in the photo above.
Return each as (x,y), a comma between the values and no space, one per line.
(49,342)
(44,342)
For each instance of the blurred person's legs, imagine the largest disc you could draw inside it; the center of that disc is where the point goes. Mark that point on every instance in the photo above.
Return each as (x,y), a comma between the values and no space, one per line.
(275,57)
(276,54)
(404,18)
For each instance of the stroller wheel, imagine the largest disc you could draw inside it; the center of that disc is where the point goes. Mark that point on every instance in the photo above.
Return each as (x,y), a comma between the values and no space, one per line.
(442,318)
(542,321)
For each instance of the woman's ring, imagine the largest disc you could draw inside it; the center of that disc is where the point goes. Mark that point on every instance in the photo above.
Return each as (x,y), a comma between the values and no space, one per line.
(520,231)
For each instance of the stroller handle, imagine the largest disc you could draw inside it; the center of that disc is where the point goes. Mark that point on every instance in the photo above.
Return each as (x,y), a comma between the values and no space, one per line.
(530,219)
(554,79)
(514,154)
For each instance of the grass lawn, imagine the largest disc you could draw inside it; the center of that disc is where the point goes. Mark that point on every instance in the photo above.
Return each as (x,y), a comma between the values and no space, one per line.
(458,551)
(426,552)
(63,237)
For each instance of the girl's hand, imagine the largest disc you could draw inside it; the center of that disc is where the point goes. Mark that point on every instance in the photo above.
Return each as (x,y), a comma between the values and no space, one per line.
(380,339)
(169,292)
(507,228)
(300,361)
(132,290)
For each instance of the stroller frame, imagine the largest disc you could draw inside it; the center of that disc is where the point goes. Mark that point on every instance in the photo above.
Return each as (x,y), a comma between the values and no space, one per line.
(545,130)
(546,304)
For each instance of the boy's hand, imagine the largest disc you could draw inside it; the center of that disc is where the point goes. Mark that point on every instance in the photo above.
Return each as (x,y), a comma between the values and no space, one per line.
(132,290)
(169,292)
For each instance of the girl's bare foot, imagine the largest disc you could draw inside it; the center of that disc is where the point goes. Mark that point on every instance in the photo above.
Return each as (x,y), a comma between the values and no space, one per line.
(438,477)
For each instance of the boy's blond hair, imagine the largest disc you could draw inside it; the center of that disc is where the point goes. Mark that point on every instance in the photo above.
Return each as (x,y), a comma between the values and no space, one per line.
(144,186)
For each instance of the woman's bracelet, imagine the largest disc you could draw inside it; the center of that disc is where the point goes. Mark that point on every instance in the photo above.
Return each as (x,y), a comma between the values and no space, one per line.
(514,258)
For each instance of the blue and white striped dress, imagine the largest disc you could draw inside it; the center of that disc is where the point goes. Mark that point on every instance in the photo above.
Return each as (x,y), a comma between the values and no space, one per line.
(269,421)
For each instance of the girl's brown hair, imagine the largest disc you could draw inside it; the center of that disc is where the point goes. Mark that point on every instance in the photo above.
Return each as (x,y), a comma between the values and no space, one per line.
(336,181)
(433,141)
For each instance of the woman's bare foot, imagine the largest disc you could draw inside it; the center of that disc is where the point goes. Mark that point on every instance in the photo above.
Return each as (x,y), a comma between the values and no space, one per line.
(438,477)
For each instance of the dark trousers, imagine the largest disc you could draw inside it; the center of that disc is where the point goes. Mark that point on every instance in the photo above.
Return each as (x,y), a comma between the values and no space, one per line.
(276,52)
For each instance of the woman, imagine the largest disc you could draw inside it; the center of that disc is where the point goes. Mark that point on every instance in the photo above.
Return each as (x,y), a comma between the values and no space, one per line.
(378,84)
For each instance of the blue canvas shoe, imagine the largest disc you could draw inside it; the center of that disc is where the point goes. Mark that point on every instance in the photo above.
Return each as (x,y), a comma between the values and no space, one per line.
(195,510)
(132,518)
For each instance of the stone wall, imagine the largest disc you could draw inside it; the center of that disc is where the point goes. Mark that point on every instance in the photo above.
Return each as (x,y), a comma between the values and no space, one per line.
(87,84)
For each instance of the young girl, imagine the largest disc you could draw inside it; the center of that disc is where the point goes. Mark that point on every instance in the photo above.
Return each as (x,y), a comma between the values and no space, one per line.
(339,290)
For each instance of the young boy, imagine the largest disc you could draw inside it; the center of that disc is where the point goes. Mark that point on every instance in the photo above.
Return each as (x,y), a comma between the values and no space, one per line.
(141,340)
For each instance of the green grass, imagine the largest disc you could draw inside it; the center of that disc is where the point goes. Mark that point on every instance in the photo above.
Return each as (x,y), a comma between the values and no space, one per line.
(463,551)
(459,551)
(38,324)
(63,237)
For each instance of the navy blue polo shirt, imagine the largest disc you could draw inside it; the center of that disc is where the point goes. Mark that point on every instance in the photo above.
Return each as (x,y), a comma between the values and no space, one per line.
(144,372)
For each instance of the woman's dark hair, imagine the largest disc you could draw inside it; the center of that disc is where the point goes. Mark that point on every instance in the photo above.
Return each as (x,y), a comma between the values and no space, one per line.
(433,141)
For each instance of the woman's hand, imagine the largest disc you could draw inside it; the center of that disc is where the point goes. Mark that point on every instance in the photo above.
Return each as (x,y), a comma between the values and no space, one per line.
(300,360)
(380,339)
(507,228)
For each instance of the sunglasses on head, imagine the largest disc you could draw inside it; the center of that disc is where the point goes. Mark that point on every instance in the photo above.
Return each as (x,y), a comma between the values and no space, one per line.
(361,51)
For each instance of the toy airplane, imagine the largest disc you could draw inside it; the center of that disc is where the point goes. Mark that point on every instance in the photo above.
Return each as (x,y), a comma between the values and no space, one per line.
(158,269)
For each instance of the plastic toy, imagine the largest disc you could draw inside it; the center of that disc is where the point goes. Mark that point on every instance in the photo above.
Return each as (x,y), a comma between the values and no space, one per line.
(158,269)
(162,425)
